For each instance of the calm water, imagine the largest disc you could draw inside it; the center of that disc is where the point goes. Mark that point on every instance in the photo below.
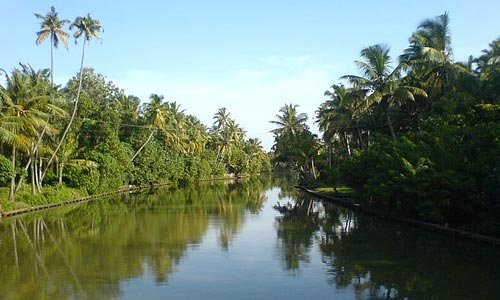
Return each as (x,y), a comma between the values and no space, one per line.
(226,241)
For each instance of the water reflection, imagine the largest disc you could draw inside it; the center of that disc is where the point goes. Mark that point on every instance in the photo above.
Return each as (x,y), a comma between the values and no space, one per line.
(379,260)
(84,252)
(225,241)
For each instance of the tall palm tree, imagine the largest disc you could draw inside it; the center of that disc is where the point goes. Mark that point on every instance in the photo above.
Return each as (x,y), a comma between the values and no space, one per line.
(51,26)
(88,28)
(429,56)
(382,83)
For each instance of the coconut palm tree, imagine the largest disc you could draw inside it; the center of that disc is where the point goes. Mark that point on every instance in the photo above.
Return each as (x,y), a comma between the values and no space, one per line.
(429,57)
(10,127)
(196,136)
(289,122)
(383,84)
(221,118)
(51,26)
(28,103)
(338,116)
(155,112)
(291,138)
(88,28)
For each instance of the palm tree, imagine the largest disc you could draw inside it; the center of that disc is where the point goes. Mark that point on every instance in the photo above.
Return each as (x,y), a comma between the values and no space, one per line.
(382,83)
(195,136)
(52,26)
(291,137)
(10,126)
(67,157)
(221,118)
(155,112)
(289,121)
(489,60)
(429,56)
(27,101)
(227,137)
(338,116)
(88,28)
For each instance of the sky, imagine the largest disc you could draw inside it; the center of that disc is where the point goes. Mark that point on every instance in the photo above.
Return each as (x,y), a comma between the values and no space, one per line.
(251,57)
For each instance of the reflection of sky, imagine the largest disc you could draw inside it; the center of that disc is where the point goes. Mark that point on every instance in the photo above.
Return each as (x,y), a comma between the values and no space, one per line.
(250,269)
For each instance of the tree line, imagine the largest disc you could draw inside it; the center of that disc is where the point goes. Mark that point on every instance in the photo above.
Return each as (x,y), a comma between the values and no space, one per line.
(417,134)
(90,135)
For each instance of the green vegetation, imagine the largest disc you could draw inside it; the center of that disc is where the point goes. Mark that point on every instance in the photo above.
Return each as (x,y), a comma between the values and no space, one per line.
(88,136)
(420,138)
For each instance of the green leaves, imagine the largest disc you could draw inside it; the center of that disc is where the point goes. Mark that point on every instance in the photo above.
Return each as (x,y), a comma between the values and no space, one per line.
(87,27)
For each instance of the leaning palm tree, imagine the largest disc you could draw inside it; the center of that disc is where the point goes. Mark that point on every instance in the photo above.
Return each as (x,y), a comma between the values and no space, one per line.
(51,26)
(383,83)
(88,28)
(154,111)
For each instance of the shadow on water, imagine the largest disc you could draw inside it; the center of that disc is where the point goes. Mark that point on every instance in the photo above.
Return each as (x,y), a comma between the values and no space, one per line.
(86,251)
(382,260)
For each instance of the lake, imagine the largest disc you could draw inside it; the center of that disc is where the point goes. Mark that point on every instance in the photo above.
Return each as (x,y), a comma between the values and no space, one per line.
(258,239)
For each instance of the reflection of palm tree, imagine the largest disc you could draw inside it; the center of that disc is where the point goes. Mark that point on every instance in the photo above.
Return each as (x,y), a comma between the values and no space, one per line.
(296,229)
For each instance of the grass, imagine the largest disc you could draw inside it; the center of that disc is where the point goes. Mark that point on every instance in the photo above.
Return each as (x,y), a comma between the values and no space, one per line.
(50,194)
(341,191)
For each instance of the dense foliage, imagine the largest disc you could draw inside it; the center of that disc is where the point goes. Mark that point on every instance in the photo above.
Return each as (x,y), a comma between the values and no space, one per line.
(90,135)
(421,138)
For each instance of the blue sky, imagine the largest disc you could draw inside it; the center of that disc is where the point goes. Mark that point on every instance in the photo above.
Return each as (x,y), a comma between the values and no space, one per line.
(248,56)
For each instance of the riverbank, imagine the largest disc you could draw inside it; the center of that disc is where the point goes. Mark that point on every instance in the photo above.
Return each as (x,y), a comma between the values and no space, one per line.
(442,229)
(80,197)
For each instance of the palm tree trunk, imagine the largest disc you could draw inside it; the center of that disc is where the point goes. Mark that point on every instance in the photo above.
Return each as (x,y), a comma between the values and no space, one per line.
(60,172)
(393,134)
(360,135)
(37,145)
(33,174)
(39,173)
(143,145)
(52,60)
(313,169)
(72,115)
(13,176)
(347,143)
